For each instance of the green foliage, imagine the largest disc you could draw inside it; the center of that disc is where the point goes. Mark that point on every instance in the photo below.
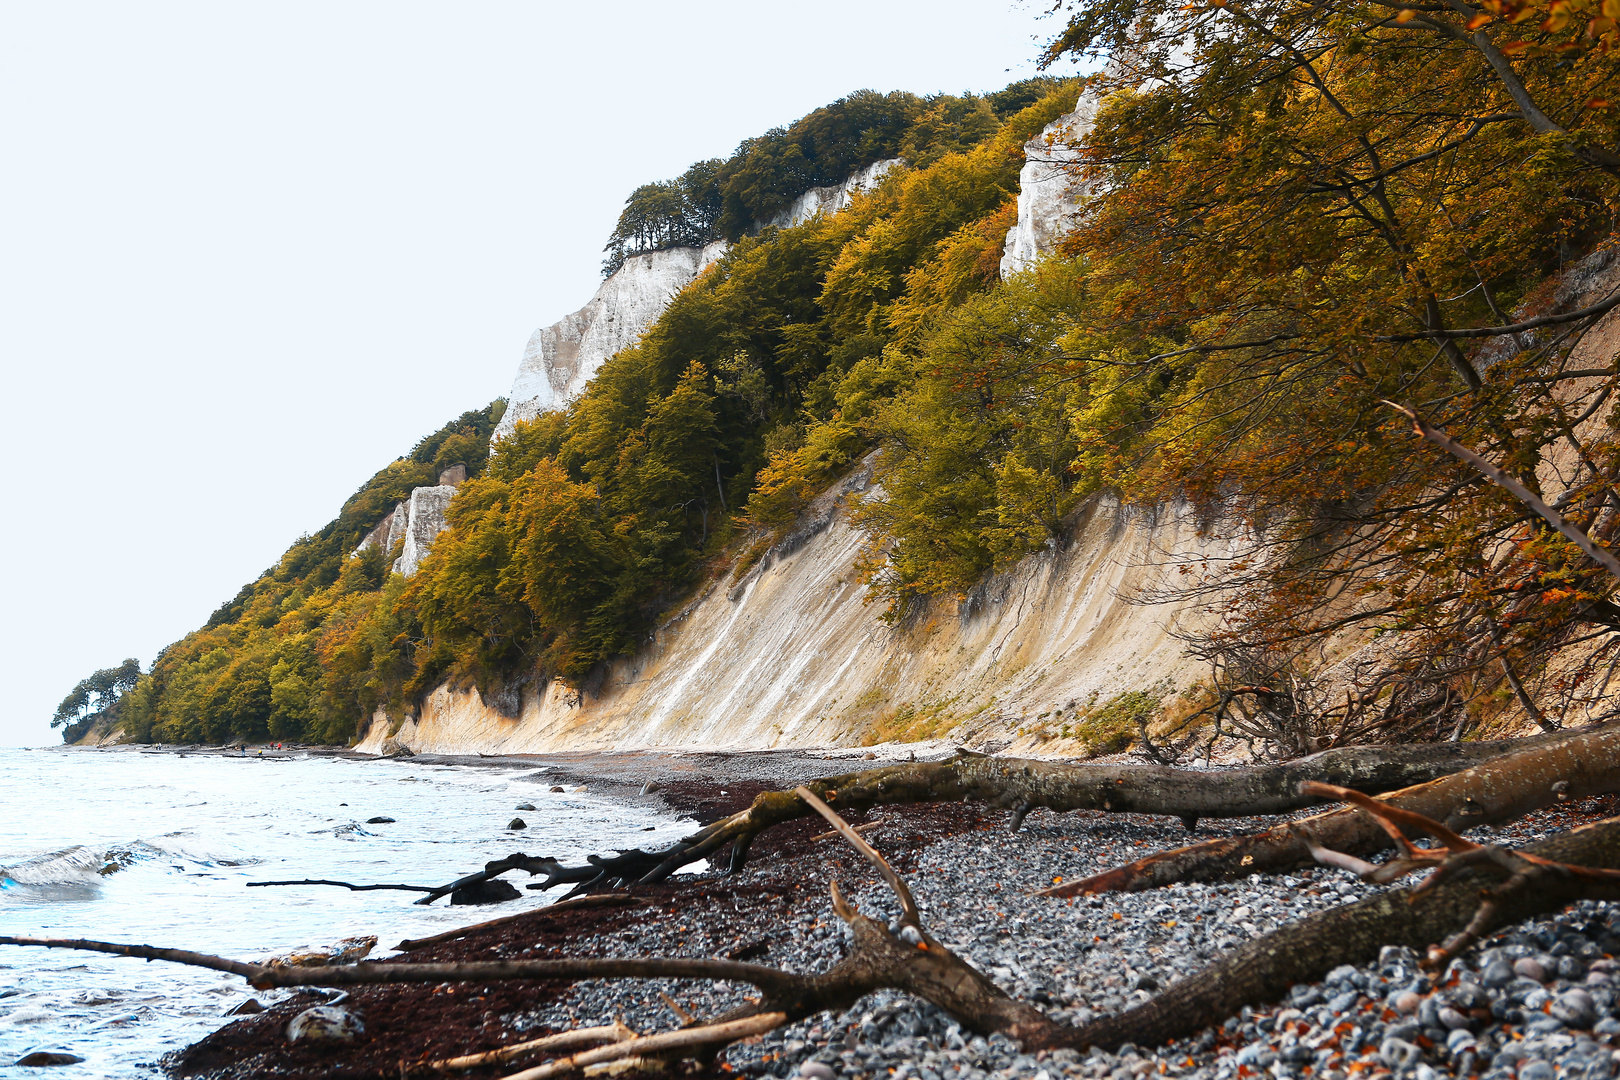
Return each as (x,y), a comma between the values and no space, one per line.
(95,698)
(767,173)
(1114,726)
(667,214)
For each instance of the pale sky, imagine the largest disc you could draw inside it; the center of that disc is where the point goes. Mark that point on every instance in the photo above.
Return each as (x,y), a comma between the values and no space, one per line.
(250,253)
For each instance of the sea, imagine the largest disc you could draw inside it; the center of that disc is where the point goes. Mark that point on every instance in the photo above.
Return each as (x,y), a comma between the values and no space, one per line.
(158,848)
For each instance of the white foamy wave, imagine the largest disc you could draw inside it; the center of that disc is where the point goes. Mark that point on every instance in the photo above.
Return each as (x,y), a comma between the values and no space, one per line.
(28,1014)
(71,866)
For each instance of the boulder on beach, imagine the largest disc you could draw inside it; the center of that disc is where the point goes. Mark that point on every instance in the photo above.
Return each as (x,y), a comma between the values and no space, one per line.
(325,1024)
(493,891)
(517,823)
(392,747)
(346,951)
(48,1057)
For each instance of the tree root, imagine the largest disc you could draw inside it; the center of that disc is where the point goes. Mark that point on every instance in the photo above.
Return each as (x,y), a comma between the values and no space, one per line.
(1501,789)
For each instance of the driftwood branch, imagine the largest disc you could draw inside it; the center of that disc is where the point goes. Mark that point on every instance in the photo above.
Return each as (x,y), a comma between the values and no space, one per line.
(1022,784)
(341,885)
(908,906)
(602,900)
(506,1055)
(711,1035)
(1455,854)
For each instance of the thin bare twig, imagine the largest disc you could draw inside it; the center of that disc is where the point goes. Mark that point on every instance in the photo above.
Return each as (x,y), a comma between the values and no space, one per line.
(858,828)
(675,1007)
(908,907)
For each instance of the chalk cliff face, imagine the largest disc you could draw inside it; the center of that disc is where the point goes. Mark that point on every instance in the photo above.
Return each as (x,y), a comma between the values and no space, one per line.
(834,197)
(1047,196)
(792,654)
(424,519)
(563,357)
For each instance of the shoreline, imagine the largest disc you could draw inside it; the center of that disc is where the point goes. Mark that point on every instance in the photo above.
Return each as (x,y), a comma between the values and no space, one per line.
(1075,959)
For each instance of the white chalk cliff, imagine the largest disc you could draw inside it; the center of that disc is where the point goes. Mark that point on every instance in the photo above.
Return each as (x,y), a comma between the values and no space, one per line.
(424,520)
(1047,195)
(416,521)
(563,357)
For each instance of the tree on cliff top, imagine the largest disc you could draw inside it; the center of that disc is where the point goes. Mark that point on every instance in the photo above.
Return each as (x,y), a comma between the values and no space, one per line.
(93,697)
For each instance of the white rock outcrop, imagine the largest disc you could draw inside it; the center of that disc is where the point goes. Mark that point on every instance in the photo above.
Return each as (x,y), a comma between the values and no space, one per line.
(390,529)
(833,197)
(563,357)
(425,519)
(1047,195)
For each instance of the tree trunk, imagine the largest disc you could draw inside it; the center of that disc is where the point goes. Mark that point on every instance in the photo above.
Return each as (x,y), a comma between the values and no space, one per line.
(1502,789)
(1024,784)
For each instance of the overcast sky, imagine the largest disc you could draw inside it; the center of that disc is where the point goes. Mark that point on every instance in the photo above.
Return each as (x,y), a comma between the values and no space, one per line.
(250,253)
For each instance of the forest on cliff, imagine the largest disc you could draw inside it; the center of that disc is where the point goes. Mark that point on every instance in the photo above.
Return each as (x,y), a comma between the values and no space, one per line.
(1295,214)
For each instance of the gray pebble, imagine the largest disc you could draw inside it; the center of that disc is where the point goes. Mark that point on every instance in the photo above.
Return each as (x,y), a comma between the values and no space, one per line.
(1398,1053)
(818,1070)
(1530,969)
(1498,973)
(1575,1008)
(1452,1020)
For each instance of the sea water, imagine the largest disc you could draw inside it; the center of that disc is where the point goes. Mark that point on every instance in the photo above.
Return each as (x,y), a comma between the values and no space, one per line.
(158,848)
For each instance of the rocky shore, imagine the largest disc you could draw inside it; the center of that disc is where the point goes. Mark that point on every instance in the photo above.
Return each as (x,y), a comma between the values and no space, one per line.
(1536,1002)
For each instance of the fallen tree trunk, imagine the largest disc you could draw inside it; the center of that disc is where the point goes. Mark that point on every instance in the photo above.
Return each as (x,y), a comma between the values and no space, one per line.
(1025,784)
(1498,790)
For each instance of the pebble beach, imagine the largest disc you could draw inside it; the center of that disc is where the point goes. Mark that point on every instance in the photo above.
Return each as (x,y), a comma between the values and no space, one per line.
(1537,1001)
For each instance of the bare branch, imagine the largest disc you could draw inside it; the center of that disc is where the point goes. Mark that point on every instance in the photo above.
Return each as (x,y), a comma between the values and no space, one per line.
(1496,476)
(1515,328)
(908,906)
